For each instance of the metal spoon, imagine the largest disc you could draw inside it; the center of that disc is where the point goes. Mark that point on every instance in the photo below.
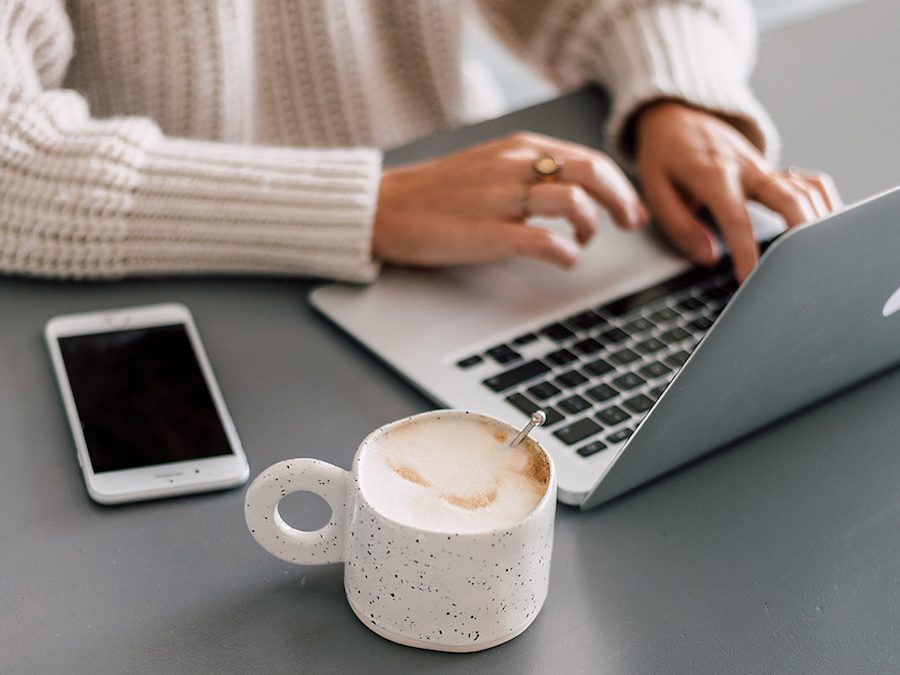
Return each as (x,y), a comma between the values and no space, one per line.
(537,419)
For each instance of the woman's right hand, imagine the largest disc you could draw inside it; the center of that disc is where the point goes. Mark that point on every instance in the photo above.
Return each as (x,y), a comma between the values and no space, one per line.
(471,206)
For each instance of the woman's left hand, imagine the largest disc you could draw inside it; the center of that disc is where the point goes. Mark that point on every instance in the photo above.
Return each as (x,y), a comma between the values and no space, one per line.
(689,159)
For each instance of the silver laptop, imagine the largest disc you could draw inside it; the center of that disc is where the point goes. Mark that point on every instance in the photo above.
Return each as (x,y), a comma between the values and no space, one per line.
(641,362)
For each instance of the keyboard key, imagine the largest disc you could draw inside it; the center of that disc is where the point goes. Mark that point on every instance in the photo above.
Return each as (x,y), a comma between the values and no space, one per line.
(655,369)
(574,404)
(561,357)
(557,332)
(574,432)
(664,314)
(628,381)
(657,391)
(527,406)
(469,362)
(503,354)
(650,346)
(714,305)
(716,294)
(601,393)
(677,359)
(675,335)
(585,320)
(639,403)
(620,435)
(691,303)
(661,290)
(588,346)
(570,379)
(544,390)
(522,403)
(612,416)
(553,416)
(599,367)
(517,375)
(639,325)
(525,339)
(614,335)
(591,448)
(624,357)
(701,324)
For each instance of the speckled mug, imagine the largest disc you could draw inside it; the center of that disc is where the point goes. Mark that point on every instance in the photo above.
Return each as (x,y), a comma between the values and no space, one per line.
(434,590)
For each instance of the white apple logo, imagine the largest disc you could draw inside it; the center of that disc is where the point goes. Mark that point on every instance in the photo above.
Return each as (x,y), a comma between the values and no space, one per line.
(893,304)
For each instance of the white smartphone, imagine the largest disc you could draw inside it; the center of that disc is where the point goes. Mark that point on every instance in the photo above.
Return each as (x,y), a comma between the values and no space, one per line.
(145,410)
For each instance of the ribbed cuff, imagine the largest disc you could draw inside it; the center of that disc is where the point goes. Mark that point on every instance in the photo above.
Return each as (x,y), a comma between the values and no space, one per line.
(209,207)
(683,51)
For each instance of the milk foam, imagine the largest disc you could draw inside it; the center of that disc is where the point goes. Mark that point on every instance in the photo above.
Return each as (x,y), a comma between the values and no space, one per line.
(453,473)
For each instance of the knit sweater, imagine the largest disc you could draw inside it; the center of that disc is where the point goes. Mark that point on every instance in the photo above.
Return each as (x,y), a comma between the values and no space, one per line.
(243,136)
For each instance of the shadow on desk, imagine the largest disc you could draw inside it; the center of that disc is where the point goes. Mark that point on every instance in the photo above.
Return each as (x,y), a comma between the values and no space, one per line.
(304,617)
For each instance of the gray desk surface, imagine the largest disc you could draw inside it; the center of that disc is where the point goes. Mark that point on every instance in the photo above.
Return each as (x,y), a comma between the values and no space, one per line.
(781,554)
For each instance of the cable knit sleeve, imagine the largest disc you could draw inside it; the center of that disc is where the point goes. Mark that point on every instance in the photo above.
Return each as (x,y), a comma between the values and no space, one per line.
(84,197)
(698,51)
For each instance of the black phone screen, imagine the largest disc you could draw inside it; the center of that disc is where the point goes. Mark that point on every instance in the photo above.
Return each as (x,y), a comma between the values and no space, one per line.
(142,398)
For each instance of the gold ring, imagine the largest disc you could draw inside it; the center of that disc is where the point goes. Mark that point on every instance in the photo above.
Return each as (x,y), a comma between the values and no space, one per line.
(547,167)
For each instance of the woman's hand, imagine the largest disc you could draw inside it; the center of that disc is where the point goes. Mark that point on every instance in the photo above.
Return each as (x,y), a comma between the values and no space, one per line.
(471,206)
(689,159)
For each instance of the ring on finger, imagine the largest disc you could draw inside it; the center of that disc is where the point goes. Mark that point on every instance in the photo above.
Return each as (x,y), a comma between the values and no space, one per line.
(547,167)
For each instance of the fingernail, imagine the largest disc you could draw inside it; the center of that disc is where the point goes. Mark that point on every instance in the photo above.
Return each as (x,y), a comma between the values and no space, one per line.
(645,215)
(634,219)
(573,251)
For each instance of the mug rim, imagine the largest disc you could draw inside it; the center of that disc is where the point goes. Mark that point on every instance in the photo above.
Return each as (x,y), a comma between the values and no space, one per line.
(538,508)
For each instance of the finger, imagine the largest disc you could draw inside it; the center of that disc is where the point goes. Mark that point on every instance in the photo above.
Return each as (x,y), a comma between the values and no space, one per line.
(774,193)
(593,170)
(814,207)
(812,195)
(459,243)
(534,242)
(725,198)
(569,201)
(688,234)
(607,183)
(824,185)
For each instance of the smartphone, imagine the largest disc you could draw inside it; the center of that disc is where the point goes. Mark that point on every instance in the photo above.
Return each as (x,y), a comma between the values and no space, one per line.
(145,410)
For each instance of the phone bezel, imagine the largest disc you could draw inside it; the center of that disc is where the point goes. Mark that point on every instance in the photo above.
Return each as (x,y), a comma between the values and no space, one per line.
(157,480)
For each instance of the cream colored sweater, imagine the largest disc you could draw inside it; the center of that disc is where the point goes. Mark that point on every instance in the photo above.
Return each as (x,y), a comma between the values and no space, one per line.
(203,136)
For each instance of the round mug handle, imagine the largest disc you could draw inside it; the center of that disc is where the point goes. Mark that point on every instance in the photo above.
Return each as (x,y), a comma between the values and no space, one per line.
(325,545)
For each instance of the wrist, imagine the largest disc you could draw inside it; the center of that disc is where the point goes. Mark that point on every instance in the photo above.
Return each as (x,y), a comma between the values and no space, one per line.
(383,207)
(680,113)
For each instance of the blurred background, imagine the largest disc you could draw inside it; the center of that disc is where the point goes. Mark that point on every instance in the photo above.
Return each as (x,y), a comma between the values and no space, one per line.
(522,88)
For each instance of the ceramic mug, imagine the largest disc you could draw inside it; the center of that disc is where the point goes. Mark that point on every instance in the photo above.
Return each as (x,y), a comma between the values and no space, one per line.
(435,590)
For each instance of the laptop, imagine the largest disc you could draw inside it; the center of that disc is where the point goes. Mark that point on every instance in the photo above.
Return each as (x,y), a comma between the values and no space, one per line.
(640,361)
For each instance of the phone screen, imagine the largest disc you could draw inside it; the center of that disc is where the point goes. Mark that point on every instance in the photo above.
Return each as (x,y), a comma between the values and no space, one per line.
(142,398)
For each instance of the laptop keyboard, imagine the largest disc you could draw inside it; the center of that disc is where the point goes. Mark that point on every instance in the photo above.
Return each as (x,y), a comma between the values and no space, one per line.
(596,373)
